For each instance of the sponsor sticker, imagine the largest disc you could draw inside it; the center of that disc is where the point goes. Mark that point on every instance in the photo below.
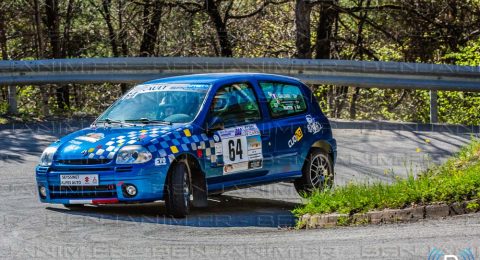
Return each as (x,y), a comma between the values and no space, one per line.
(91,137)
(240,146)
(160,161)
(313,126)
(79,180)
(146,88)
(296,137)
(218,149)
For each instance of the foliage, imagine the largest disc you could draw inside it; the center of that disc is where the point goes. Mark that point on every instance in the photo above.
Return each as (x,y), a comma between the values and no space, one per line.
(411,30)
(455,181)
(468,55)
(473,206)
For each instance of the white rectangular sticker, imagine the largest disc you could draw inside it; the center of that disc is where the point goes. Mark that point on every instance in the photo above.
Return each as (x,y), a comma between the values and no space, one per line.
(241,148)
(218,149)
(159,87)
(235,150)
(79,180)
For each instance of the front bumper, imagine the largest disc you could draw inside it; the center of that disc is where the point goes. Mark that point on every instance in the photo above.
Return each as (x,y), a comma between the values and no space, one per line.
(149,181)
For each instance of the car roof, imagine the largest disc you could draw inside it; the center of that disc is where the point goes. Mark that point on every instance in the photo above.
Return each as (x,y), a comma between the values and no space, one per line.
(213,78)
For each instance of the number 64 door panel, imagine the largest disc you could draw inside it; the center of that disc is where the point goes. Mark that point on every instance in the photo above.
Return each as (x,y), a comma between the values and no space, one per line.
(242,152)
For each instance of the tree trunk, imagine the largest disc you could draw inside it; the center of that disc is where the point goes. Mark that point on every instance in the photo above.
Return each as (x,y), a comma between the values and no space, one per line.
(328,15)
(38,30)
(53,28)
(112,36)
(40,54)
(122,35)
(303,9)
(66,50)
(150,29)
(353,103)
(359,53)
(220,27)
(340,98)
(12,90)
(3,37)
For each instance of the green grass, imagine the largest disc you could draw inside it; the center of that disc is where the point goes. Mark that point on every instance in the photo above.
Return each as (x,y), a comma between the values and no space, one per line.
(458,179)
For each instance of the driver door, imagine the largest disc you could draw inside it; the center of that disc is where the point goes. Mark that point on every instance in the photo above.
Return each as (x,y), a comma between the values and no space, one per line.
(242,146)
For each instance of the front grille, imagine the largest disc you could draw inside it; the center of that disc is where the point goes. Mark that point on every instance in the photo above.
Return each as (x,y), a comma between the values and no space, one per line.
(85,161)
(82,188)
(123,169)
(84,192)
(80,169)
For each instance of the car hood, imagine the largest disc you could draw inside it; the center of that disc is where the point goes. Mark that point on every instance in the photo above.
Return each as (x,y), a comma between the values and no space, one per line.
(103,143)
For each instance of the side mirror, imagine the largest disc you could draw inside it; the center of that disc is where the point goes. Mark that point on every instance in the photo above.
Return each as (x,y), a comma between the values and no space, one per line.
(214,124)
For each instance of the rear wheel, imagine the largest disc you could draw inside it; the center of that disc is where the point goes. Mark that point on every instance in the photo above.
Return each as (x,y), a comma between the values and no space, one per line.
(317,173)
(178,193)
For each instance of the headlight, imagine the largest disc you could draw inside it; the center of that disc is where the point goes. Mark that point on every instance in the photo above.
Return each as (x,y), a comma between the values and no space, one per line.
(133,154)
(47,156)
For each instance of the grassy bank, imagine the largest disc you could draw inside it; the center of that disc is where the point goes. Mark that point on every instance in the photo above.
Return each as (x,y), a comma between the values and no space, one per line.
(458,179)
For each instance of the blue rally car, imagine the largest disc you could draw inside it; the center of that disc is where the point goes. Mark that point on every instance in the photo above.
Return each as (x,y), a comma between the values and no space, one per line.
(183,138)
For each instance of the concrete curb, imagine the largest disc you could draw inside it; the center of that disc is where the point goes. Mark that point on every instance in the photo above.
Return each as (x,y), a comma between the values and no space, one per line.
(410,214)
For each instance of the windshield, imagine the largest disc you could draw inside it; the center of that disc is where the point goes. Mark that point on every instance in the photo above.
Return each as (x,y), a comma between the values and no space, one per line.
(157,103)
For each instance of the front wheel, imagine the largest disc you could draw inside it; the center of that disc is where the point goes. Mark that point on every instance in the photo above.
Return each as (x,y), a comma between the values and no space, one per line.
(317,173)
(178,193)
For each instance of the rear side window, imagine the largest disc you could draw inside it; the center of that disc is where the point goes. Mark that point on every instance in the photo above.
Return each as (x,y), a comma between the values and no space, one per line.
(283,99)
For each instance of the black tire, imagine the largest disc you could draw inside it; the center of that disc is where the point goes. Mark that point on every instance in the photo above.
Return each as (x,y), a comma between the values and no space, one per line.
(178,191)
(317,173)
(74,206)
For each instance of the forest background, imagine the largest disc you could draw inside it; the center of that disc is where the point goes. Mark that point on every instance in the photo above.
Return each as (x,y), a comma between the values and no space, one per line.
(442,32)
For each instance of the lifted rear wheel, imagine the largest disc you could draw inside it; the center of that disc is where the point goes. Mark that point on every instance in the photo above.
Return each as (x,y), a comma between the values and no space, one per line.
(317,173)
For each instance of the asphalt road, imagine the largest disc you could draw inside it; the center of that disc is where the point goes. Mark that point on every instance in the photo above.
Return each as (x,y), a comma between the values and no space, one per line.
(245,224)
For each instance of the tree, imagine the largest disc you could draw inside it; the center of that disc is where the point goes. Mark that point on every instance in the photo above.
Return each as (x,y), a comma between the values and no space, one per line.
(220,17)
(303,10)
(11,90)
(59,47)
(152,16)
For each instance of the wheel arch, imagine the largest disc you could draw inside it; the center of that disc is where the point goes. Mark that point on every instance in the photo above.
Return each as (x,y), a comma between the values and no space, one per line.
(198,180)
(324,146)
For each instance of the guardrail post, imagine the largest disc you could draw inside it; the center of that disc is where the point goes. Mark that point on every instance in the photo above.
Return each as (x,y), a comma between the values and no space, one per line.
(45,94)
(433,106)
(12,100)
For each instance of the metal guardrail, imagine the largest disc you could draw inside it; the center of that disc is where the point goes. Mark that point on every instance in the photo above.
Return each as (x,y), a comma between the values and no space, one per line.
(337,72)
(364,74)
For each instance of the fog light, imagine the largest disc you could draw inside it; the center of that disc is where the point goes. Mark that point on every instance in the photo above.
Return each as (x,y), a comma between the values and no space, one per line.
(130,190)
(43,192)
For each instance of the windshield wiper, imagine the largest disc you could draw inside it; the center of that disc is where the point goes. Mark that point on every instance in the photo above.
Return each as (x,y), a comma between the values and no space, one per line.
(145,120)
(112,121)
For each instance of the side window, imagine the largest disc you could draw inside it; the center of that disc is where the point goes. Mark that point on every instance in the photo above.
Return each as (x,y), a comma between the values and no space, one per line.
(283,99)
(235,104)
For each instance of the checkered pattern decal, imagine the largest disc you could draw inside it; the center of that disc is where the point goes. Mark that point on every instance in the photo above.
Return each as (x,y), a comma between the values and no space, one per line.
(164,141)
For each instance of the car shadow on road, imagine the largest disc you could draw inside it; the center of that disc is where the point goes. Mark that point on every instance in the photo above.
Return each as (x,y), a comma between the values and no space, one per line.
(222,211)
